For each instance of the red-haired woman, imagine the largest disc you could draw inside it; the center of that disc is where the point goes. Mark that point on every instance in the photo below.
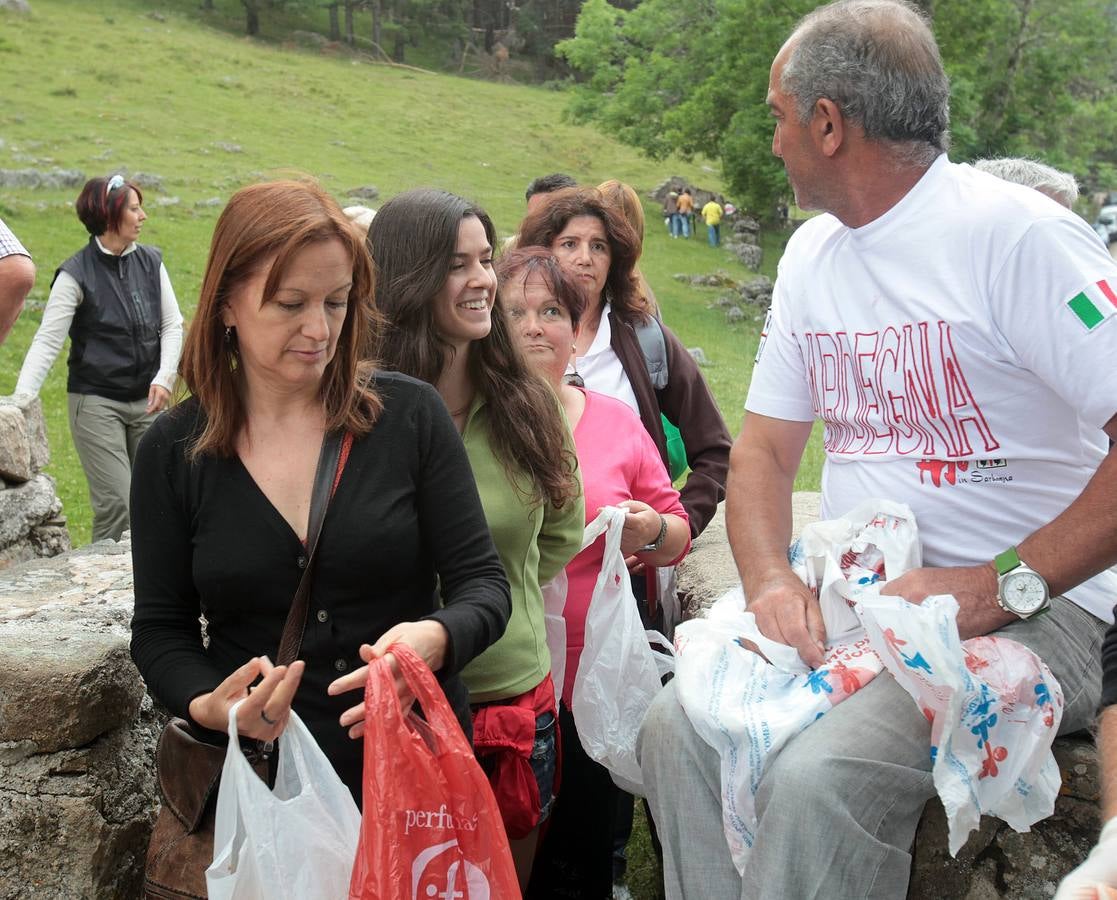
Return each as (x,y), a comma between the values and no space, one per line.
(222,489)
(625,352)
(115,301)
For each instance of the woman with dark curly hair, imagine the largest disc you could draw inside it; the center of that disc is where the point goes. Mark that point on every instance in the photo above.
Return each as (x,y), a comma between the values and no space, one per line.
(599,248)
(115,301)
(436,287)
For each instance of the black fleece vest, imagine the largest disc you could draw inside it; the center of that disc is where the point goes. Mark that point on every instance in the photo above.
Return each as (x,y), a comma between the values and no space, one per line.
(114,337)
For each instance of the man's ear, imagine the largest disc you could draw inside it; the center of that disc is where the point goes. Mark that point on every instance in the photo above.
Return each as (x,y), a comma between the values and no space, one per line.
(827,126)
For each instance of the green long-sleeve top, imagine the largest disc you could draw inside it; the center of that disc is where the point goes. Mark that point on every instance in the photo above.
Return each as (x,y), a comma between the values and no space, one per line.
(535,542)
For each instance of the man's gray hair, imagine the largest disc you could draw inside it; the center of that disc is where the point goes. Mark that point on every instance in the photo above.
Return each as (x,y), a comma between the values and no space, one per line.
(1062,187)
(878,61)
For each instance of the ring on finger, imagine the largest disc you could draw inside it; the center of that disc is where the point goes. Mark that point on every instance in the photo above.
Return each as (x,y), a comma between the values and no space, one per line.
(264,716)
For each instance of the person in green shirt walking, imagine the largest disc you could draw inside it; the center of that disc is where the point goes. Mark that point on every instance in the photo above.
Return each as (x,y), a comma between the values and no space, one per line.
(435,285)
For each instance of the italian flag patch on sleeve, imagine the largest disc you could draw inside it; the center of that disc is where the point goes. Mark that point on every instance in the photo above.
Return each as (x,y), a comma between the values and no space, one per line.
(1095,304)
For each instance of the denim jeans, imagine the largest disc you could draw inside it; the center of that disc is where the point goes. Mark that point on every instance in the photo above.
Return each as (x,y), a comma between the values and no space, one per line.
(713,234)
(838,807)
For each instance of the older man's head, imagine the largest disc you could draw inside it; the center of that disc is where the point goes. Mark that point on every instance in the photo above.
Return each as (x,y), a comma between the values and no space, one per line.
(1062,187)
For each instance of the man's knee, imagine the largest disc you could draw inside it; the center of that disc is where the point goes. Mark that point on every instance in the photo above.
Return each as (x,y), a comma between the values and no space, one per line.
(662,725)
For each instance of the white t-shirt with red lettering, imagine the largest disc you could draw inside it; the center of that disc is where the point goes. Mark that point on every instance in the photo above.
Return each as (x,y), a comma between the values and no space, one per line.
(962,352)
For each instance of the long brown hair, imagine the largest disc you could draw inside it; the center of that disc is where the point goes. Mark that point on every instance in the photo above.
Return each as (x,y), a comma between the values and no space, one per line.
(267,224)
(540,228)
(624,197)
(413,238)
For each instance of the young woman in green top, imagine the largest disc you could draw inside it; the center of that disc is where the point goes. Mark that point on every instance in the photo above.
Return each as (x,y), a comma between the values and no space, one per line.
(436,287)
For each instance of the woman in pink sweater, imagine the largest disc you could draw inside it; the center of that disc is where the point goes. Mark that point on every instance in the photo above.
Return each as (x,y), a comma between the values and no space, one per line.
(620,466)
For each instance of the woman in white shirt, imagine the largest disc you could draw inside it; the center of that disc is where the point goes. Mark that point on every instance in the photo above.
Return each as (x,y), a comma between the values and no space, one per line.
(114,300)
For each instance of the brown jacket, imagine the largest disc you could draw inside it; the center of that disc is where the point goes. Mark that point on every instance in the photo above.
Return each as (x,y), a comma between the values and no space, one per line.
(688,403)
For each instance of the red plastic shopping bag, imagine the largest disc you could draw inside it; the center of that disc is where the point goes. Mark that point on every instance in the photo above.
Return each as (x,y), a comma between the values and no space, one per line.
(430,826)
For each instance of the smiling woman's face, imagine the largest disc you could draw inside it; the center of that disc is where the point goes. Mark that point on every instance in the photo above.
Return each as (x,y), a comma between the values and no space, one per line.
(582,248)
(463,308)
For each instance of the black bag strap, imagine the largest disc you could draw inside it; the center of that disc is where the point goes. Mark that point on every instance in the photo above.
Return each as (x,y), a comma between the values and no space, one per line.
(324,477)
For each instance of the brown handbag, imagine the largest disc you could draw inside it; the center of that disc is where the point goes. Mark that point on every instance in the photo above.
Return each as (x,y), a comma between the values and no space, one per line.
(189,769)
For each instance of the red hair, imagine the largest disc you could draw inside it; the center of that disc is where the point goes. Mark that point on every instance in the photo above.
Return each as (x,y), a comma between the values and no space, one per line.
(267,225)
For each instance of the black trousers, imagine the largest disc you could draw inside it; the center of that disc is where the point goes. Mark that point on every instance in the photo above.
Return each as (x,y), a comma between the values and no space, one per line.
(575,859)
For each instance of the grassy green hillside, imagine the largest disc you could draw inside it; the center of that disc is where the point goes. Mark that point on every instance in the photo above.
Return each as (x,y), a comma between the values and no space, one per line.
(105,87)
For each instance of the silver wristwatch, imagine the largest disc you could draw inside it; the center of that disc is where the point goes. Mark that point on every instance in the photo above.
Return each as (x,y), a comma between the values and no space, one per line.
(1021,590)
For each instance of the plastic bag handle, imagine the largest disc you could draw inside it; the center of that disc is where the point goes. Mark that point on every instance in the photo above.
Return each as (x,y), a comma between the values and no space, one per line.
(422,683)
(602,524)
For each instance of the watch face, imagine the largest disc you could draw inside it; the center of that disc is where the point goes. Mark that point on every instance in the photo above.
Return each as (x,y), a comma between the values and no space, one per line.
(1023,592)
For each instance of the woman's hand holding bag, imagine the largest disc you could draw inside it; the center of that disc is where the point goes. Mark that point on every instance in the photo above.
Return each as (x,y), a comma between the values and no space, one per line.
(296,842)
(430,819)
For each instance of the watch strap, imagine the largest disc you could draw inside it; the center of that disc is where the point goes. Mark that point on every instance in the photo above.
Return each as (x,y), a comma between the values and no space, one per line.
(658,542)
(1007,561)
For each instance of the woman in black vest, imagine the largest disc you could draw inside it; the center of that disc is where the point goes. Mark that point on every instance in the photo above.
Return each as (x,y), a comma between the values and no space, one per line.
(115,301)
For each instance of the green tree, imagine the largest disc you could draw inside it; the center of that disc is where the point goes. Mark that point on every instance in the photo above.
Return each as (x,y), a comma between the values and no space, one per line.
(1029,77)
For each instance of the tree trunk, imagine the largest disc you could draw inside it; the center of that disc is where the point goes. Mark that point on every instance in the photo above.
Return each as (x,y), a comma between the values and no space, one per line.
(251,18)
(335,28)
(349,38)
(376,22)
(207,5)
(1003,98)
(399,44)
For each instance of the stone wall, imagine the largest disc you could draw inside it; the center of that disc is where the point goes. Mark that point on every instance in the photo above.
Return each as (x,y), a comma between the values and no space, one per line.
(996,861)
(31,524)
(77,731)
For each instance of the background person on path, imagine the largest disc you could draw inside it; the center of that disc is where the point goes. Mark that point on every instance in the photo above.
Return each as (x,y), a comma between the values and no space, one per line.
(222,491)
(17,277)
(115,301)
(437,289)
(1008,475)
(712,213)
(686,211)
(671,213)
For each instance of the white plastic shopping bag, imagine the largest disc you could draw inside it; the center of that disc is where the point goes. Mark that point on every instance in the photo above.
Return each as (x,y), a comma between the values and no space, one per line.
(994,708)
(619,673)
(878,535)
(747,706)
(554,602)
(297,842)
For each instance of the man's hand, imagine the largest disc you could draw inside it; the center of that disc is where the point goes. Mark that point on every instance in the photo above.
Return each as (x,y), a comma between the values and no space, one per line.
(974,587)
(787,611)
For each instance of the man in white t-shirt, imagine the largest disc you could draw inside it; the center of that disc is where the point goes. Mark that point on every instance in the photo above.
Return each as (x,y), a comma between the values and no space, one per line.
(956,335)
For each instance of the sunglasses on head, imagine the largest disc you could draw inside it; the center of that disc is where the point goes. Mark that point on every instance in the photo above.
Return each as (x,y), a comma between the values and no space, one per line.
(117,181)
